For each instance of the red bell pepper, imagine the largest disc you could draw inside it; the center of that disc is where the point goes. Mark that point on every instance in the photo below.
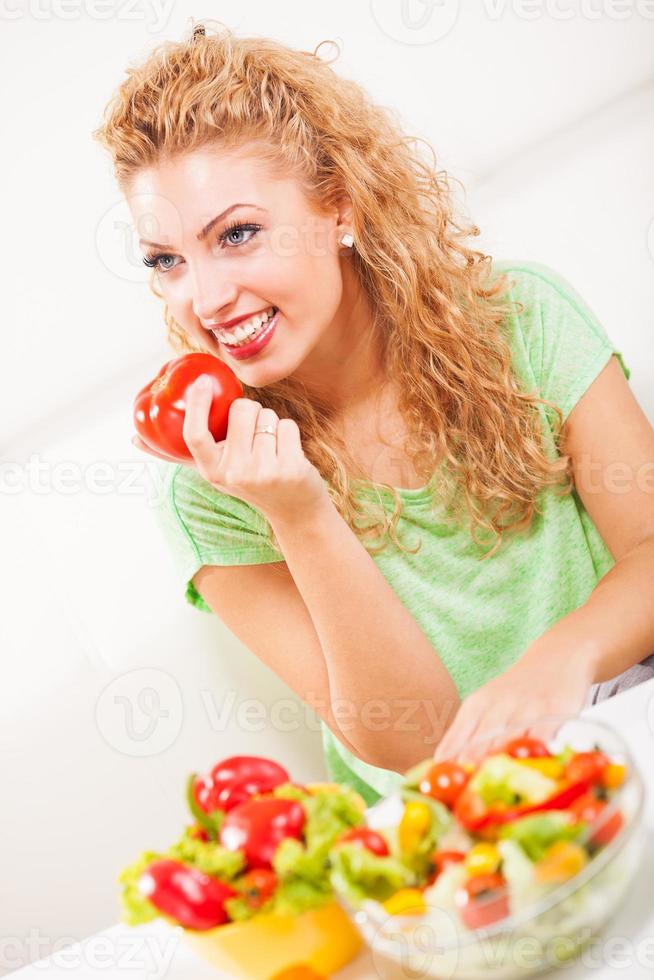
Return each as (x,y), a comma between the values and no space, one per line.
(194,899)
(475,815)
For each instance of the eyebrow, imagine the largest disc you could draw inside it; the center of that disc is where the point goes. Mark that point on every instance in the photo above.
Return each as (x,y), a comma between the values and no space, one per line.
(207,228)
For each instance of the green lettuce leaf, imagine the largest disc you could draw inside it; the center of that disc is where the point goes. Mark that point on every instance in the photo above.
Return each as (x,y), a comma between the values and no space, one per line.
(358,874)
(537,832)
(502,779)
(208,856)
(303,869)
(135,907)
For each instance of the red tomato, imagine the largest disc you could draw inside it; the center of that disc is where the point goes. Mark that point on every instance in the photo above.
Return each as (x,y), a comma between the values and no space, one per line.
(589,809)
(444,782)
(258,886)
(527,748)
(235,780)
(482,900)
(258,826)
(586,767)
(192,898)
(240,767)
(441,860)
(369,839)
(160,406)
(470,810)
(203,792)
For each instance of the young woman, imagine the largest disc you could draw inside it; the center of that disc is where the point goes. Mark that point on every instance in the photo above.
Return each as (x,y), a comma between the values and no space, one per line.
(416,518)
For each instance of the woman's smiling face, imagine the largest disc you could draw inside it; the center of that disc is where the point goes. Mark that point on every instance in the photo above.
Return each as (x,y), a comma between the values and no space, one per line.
(271,250)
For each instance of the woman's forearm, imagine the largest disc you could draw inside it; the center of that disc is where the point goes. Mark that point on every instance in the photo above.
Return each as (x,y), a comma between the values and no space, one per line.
(392,696)
(618,616)
(614,628)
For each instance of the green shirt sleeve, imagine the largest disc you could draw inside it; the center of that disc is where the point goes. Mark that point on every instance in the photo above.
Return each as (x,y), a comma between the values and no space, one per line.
(204,526)
(566,343)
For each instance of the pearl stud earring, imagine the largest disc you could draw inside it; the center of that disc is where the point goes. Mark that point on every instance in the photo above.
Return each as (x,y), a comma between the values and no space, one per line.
(347,240)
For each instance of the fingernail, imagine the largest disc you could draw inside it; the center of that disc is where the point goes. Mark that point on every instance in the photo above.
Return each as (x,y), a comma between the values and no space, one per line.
(202,383)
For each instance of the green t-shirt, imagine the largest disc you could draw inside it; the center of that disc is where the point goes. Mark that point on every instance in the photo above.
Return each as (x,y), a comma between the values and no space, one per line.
(480,616)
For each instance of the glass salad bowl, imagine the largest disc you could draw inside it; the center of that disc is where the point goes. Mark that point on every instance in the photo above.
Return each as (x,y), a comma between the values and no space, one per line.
(528,925)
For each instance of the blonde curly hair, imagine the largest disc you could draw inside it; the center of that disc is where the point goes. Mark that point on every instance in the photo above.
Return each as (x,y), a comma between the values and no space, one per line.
(439,311)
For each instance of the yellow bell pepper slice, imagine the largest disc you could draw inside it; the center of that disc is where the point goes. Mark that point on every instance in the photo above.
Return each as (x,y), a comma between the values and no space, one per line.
(415,822)
(561,861)
(613,775)
(406,901)
(551,768)
(482,859)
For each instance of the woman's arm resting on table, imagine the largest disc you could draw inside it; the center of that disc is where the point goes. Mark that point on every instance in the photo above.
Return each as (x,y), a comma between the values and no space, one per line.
(611,445)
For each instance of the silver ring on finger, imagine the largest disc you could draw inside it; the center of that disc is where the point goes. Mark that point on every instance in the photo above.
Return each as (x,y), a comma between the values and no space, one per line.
(268,429)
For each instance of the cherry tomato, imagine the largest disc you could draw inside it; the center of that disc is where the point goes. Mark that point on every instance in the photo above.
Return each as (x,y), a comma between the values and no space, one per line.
(441,860)
(482,900)
(589,809)
(160,406)
(194,899)
(444,782)
(470,810)
(527,748)
(258,826)
(236,779)
(586,767)
(258,886)
(369,839)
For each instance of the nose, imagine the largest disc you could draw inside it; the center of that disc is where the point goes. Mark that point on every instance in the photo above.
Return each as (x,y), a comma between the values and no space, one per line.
(212,296)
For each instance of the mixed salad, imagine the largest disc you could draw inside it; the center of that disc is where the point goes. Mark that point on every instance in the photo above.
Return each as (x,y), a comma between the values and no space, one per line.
(485,841)
(258,843)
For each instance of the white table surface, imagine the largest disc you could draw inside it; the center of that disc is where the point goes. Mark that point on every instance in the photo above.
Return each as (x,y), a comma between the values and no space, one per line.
(155,951)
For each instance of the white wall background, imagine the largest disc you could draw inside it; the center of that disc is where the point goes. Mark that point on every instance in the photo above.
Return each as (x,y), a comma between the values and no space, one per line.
(545,115)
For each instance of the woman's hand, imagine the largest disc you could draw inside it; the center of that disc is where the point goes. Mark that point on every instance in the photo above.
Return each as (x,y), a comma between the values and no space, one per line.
(548,680)
(270,472)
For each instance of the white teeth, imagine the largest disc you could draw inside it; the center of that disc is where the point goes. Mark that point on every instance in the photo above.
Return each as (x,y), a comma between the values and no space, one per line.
(245,331)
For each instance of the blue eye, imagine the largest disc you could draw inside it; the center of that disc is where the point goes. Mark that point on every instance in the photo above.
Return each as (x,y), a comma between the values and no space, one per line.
(154,261)
(239,227)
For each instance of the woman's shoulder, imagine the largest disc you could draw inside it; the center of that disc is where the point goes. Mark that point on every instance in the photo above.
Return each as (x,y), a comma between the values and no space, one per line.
(536,281)
(556,336)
